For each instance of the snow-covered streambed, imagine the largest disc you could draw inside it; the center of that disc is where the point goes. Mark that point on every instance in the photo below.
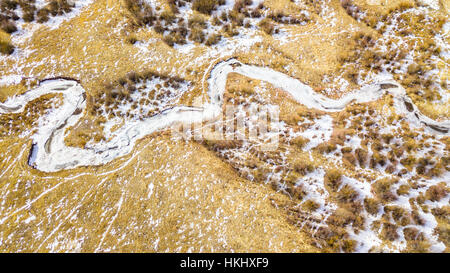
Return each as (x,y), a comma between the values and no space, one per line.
(50,154)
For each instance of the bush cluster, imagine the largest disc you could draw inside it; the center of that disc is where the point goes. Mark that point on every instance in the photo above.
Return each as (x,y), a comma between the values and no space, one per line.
(175,29)
(120,91)
(6,48)
(29,12)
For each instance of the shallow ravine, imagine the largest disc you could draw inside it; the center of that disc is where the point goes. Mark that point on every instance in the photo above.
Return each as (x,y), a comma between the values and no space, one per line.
(49,152)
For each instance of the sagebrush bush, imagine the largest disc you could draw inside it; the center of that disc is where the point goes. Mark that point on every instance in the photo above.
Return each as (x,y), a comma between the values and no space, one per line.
(9,4)
(6,48)
(132,39)
(197,35)
(382,188)
(389,232)
(43,15)
(326,147)
(436,192)
(372,206)
(333,178)
(310,205)
(267,26)
(8,26)
(205,6)
(347,194)
(213,39)
(59,7)
(300,141)
(303,167)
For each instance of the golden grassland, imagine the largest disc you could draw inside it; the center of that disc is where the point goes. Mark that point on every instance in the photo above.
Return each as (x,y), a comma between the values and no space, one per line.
(183,210)
(79,207)
(178,196)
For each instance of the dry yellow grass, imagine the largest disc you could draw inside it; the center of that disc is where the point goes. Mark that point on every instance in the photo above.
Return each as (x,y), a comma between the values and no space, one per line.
(166,195)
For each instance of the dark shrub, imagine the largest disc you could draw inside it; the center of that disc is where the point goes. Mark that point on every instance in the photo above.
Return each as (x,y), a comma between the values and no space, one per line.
(43,15)
(8,26)
(6,48)
(204,6)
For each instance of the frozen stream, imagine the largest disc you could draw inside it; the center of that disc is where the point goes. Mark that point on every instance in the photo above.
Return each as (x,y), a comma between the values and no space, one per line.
(50,154)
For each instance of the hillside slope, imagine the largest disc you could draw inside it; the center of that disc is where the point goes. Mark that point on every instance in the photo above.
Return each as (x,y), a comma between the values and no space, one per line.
(362,154)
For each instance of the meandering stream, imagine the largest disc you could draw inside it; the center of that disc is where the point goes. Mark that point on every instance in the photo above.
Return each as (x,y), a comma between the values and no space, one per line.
(50,154)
